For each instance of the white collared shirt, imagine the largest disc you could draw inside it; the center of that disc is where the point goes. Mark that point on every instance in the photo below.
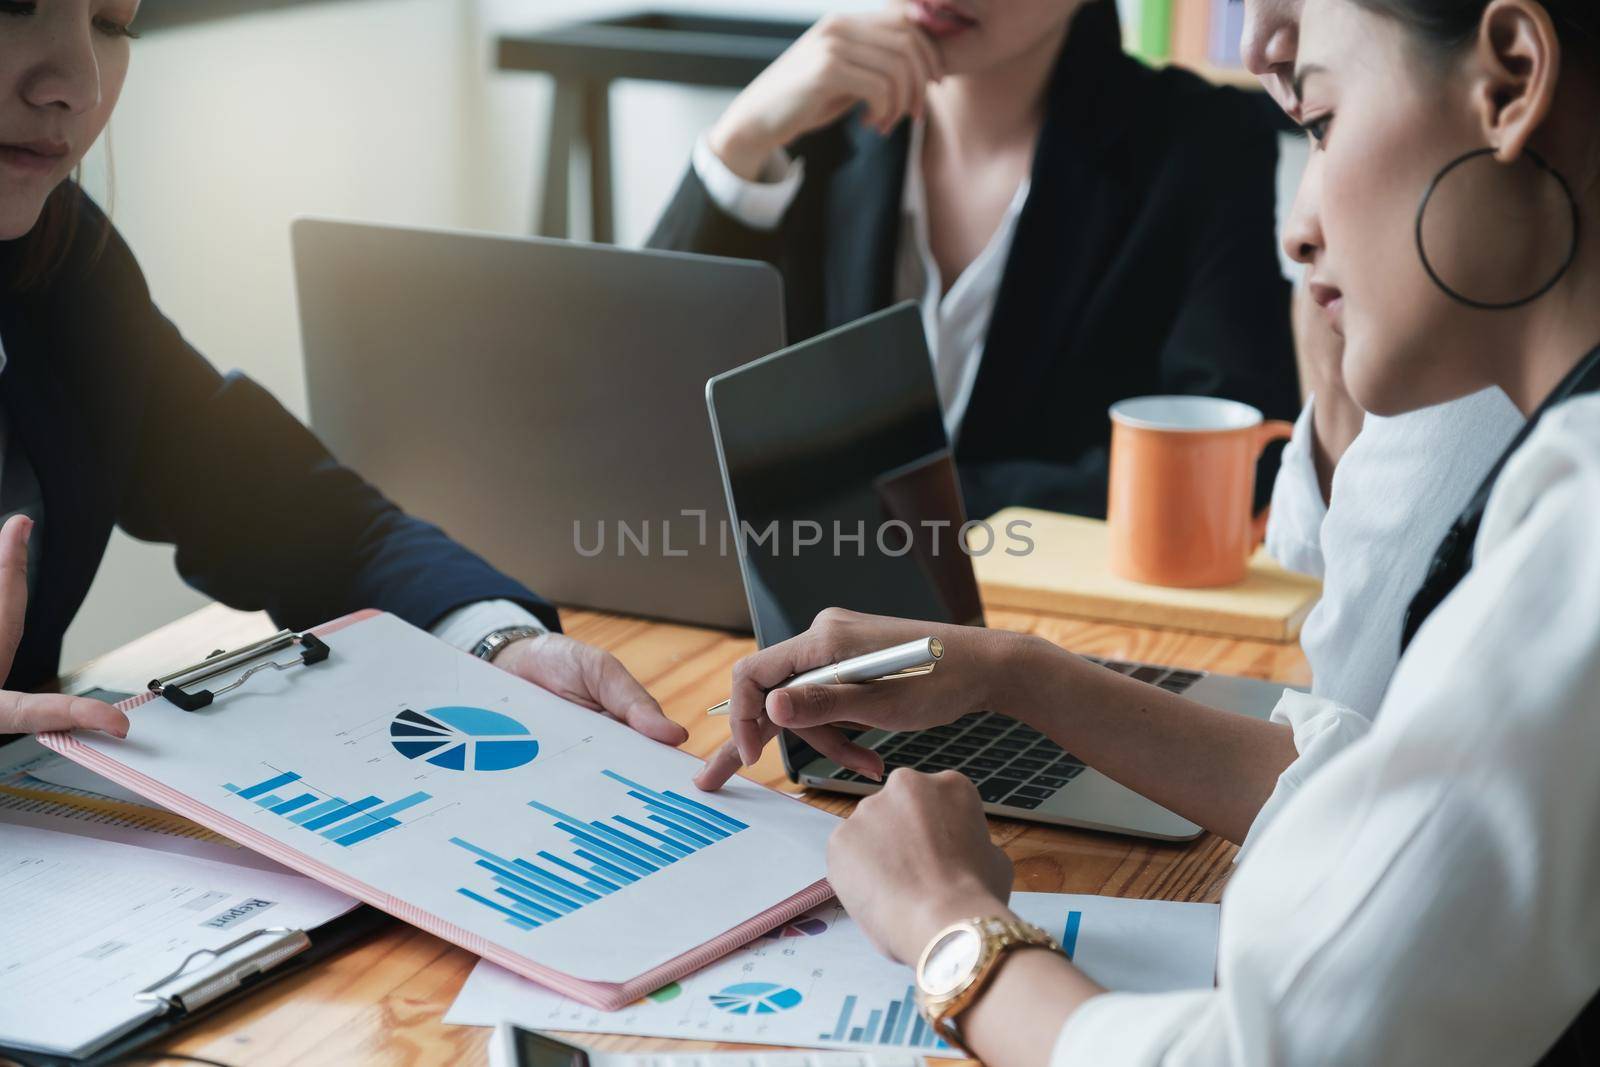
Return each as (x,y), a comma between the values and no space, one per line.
(1422,888)
(956,322)
(1397,489)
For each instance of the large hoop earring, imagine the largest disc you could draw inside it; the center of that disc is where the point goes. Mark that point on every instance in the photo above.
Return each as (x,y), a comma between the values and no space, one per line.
(1572,250)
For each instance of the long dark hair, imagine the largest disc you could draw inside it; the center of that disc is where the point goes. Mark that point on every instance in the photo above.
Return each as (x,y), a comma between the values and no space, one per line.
(1449,24)
(40,255)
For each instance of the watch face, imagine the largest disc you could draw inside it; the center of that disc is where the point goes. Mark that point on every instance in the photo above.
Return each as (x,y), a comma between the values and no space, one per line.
(950,962)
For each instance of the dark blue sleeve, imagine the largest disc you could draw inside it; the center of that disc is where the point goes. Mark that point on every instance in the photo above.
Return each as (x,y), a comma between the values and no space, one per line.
(263,517)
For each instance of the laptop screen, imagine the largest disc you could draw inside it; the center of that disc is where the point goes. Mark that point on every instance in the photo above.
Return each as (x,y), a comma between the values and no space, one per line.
(841,484)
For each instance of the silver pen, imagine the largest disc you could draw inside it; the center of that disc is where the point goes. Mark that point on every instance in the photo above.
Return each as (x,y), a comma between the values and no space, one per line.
(910,660)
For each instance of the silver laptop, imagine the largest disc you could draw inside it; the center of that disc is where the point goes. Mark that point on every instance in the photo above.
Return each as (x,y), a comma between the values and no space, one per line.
(841,485)
(541,400)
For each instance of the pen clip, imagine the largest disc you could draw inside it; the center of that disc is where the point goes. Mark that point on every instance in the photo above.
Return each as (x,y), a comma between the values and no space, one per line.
(916,671)
(186,990)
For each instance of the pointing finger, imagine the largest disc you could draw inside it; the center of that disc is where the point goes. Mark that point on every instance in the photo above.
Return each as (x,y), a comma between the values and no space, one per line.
(34,713)
(13,586)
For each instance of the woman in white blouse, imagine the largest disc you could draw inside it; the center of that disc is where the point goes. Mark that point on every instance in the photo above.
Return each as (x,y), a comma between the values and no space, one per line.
(1360,502)
(1416,889)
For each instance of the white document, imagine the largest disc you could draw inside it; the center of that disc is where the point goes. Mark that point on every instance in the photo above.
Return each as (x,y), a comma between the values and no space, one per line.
(514,815)
(63,772)
(27,799)
(817,982)
(90,923)
(25,765)
(503,1053)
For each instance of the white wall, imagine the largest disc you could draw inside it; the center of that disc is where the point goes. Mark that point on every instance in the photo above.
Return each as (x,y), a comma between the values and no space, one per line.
(383,110)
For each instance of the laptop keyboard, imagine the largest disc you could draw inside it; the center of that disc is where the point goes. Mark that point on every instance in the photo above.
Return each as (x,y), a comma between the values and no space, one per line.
(1012,765)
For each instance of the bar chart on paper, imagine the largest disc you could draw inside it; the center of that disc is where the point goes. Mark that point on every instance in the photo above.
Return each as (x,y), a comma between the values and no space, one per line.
(817,982)
(478,806)
(896,1024)
(344,822)
(602,856)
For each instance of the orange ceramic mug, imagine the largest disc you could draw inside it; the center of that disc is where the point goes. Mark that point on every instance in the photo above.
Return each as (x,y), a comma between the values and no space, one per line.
(1183,475)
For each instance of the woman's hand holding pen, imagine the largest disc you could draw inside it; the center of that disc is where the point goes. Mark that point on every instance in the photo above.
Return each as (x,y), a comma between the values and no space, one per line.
(27,713)
(878,59)
(971,676)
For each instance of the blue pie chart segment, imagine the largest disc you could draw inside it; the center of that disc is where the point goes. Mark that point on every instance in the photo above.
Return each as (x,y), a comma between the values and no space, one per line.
(755,998)
(458,737)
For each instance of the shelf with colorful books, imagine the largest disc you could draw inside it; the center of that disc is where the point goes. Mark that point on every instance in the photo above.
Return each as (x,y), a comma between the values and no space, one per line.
(1200,35)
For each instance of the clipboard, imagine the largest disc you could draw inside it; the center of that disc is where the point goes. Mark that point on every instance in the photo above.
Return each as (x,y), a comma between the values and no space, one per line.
(205,989)
(261,687)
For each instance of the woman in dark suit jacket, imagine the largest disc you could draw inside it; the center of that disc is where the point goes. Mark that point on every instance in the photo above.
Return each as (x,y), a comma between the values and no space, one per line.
(1141,252)
(108,417)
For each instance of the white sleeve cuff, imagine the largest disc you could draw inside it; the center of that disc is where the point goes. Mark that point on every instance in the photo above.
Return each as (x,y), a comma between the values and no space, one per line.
(1294,529)
(1128,1029)
(466,626)
(760,205)
(1322,728)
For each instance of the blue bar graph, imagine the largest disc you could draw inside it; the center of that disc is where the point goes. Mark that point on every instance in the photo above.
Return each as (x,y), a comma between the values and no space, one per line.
(370,830)
(341,821)
(607,855)
(895,1024)
(679,831)
(1069,935)
(844,1020)
(600,864)
(671,798)
(382,815)
(514,917)
(270,784)
(341,814)
(675,847)
(321,809)
(298,802)
(898,1024)
(556,882)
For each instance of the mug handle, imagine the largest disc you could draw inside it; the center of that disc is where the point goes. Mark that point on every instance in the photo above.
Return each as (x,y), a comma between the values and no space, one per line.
(1266,433)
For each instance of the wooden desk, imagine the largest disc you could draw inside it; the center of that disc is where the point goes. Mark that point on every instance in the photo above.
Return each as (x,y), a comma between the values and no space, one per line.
(384,1001)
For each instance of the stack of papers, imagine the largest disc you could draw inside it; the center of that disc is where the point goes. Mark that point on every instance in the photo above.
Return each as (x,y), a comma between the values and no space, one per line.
(817,982)
(98,908)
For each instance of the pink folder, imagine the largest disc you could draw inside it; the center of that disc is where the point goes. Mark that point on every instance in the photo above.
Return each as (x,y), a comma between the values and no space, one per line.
(607,996)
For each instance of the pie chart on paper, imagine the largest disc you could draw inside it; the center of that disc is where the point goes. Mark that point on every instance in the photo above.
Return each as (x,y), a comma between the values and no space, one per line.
(755,998)
(799,928)
(463,738)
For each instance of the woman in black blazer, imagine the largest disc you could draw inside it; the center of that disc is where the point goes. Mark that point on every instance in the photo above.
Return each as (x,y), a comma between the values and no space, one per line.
(1117,223)
(108,417)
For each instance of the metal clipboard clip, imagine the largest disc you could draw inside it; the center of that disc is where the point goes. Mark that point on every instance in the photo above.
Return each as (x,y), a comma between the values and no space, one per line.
(189,991)
(173,686)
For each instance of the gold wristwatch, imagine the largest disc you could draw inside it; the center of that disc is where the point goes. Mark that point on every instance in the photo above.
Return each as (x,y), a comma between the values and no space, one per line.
(961,960)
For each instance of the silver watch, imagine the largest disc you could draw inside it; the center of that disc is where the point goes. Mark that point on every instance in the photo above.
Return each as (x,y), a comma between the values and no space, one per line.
(490,646)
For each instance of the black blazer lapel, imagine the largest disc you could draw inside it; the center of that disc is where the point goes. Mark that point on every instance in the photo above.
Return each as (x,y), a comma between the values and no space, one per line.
(1077,213)
(862,217)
